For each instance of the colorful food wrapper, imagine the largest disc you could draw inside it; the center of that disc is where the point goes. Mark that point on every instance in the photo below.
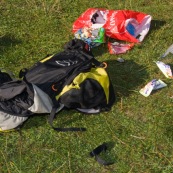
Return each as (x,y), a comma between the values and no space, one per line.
(153,85)
(119,48)
(92,36)
(166,70)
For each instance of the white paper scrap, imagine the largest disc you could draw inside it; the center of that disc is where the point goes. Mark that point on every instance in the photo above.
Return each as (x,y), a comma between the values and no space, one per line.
(153,85)
(166,70)
(159,84)
(146,91)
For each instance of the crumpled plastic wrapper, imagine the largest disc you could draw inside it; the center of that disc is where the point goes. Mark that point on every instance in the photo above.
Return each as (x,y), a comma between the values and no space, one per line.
(119,48)
(92,36)
(152,85)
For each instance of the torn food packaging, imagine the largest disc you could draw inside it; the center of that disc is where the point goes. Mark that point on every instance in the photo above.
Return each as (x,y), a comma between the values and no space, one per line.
(119,48)
(92,36)
(127,25)
(166,70)
(153,85)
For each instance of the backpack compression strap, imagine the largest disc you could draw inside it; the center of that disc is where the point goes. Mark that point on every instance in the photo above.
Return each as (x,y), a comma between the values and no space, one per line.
(52,116)
(95,153)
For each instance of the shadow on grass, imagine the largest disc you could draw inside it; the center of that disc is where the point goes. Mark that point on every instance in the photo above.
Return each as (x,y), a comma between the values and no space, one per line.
(126,77)
(157,24)
(63,119)
(34,121)
(100,50)
(7,41)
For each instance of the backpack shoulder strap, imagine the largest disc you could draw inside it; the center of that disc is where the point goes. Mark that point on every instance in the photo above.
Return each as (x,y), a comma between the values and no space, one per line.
(52,116)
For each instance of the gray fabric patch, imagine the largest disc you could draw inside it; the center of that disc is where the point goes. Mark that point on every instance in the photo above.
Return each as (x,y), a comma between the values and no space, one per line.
(42,102)
(8,121)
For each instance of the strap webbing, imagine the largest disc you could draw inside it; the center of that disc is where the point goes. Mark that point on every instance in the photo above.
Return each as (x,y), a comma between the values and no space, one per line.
(52,116)
(95,153)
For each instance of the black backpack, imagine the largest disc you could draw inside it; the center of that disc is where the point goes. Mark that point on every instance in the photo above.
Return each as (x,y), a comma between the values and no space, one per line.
(73,79)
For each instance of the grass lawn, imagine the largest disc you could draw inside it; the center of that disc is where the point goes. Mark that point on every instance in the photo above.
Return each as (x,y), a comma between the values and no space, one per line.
(140,129)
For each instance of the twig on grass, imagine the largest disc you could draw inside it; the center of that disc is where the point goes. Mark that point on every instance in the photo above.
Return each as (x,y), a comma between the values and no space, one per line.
(59,167)
(138,137)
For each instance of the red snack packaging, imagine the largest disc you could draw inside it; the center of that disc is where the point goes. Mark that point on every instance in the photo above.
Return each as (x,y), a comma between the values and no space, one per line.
(126,25)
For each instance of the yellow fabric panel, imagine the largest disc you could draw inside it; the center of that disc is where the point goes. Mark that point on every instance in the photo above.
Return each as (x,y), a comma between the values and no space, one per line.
(98,74)
(6,130)
(45,59)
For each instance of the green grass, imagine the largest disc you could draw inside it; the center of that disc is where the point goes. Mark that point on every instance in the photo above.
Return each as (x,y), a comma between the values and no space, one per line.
(140,129)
